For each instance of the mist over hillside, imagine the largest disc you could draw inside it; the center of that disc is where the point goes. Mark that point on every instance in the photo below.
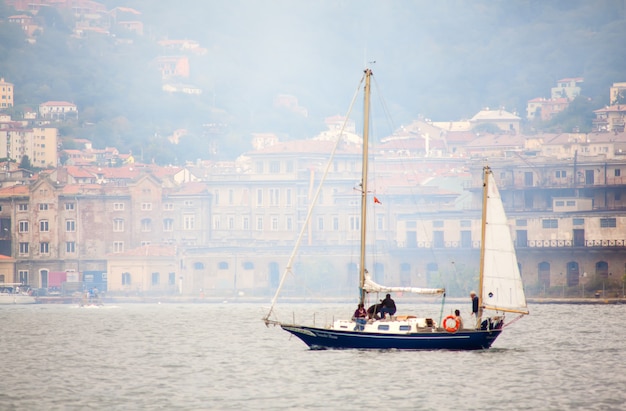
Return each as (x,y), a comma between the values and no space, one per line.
(443,60)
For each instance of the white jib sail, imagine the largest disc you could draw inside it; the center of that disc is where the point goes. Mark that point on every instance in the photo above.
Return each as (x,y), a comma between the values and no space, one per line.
(503,289)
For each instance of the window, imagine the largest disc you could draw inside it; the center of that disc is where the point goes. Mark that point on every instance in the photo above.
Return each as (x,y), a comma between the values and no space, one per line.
(437,223)
(23,227)
(223,265)
(521,223)
(274,223)
(561,174)
(155,278)
(70,226)
(245,223)
(168,206)
(146,206)
(126,279)
(23,276)
(320,223)
(171,278)
(355,223)
(578,221)
(43,226)
(118,225)
(289,224)
(274,196)
(168,224)
(466,223)
(216,197)
(118,206)
(335,223)
(216,222)
(43,206)
(69,206)
(146,225)
(618,172)
(231,197)
(189,222)
(550,223)
(259,223)
(70,247)
(23,248)
(188,203)
(259,167)
(288,197)
(570,203)
(44,248)
(610,222)
(259,197)
(289,166)
(274,167)
(22,207)
(118,246)
(559,203)
(231,223)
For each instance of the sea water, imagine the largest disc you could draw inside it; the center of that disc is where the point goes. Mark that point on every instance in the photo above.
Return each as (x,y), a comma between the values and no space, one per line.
(222,357)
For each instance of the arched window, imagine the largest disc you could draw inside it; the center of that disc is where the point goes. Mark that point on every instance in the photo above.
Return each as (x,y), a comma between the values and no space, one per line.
(602,269)
(544,274)
(198,266)
(248,265)
(223,265)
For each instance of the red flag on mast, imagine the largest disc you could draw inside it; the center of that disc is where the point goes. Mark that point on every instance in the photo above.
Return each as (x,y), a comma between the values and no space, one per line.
(377,201)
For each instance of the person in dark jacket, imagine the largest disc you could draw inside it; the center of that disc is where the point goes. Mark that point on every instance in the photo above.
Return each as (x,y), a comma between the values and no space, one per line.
(389,306)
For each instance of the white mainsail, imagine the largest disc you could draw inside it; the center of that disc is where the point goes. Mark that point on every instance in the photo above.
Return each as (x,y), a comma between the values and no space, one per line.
(371,287)
(502,287)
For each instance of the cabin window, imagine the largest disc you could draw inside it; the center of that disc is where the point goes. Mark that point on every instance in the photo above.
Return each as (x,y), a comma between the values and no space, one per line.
(570,203)
(405,328)
(559,203)
(383,327)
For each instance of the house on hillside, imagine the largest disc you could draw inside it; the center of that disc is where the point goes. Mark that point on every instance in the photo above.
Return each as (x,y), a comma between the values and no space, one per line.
(58,110)
(610,118)
(505,121)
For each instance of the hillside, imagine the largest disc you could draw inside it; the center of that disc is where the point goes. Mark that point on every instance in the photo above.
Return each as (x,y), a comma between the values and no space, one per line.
(443,60)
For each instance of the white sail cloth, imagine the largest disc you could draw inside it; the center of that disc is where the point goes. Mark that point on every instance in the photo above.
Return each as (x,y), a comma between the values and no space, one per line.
(503,289)
(371,287)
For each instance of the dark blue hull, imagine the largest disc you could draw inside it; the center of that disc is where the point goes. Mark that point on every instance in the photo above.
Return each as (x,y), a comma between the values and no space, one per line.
(323,338)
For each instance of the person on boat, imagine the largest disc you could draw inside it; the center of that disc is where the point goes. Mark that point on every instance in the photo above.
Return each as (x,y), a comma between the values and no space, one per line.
(360,317)
(475,307)
(457,315)
(389,307)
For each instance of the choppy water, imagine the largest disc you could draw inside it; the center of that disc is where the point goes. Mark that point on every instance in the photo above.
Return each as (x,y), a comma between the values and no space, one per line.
(221,356)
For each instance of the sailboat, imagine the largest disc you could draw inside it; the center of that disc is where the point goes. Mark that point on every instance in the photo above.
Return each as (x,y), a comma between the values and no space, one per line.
(500,288)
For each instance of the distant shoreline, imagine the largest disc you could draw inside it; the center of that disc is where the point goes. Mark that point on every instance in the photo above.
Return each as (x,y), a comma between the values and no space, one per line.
(294,300)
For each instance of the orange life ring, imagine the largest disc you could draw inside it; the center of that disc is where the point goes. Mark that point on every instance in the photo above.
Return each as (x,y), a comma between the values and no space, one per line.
(455,327)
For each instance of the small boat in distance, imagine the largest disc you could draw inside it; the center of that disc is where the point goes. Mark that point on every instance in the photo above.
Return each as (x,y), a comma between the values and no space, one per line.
(500,287)
(15,293)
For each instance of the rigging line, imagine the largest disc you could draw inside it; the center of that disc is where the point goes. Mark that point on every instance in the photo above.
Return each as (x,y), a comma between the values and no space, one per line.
(385,108)
(303,229)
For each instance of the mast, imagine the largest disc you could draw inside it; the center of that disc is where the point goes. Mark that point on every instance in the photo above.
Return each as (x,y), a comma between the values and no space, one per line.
(483,235)
(366,115)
